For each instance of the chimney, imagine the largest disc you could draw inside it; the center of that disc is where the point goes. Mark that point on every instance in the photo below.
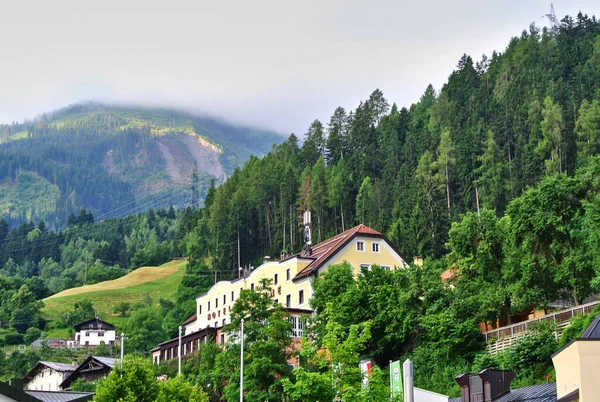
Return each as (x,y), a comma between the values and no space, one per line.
(487,385)
(74,363)
(267,258)
(16,383)
(418,261)
(496,383)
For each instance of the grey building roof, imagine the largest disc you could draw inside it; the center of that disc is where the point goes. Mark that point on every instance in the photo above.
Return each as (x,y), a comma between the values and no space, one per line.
(60,396)
(593,330)
(62,367)
(38,342)
(109,361)
(534,393)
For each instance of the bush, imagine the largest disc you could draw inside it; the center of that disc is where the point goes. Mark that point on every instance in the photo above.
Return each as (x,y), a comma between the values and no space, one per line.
(13,339)
(31,335)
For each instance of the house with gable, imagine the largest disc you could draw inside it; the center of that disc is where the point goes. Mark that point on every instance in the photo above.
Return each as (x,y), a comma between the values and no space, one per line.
(47,376)
(360,246)
(92,333)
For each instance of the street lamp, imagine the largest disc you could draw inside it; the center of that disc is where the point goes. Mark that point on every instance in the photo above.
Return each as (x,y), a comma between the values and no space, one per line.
(242,364)
(122,341)
(179,353)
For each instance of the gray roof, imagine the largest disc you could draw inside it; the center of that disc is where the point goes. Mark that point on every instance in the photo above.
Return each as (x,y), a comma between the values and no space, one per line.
(534,393)
(109,361)
(60,396)
(593,330)
(62,367)
(38,342)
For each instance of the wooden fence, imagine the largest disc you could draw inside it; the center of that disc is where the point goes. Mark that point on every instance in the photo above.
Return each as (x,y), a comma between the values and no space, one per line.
(502,338)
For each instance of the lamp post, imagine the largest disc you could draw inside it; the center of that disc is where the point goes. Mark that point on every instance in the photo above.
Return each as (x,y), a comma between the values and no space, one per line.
(242,364)
(122,341)
(179,353)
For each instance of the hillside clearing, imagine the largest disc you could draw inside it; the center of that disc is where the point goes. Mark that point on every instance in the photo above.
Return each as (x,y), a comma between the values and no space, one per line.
(137,277)
(156,282)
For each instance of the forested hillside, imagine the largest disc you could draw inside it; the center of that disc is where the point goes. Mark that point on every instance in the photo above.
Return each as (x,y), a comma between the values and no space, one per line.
(496,177)
(115,161)
(498,126)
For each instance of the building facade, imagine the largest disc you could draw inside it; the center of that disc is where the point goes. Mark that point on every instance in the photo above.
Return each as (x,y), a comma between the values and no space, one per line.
(92,333)
(291,284)
(47,376)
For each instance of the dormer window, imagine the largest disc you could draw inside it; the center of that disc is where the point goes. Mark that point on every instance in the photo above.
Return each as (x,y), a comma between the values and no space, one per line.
(360,246)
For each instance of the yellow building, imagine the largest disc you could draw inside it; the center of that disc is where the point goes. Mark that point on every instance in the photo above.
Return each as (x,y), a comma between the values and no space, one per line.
(576,366)
(290,278)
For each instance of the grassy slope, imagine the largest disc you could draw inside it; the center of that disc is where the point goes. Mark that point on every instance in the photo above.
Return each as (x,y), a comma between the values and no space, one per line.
(158,282)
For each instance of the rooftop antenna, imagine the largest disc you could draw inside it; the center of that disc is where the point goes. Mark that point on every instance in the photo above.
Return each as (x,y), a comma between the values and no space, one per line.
(551,17)
(307,232)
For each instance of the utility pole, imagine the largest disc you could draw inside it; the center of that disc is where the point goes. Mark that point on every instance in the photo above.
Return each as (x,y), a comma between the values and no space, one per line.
(242,364)
(195,190)
(409,391)
(179,354)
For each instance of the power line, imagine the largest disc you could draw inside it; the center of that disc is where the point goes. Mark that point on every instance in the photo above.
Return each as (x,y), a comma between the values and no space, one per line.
(84,231)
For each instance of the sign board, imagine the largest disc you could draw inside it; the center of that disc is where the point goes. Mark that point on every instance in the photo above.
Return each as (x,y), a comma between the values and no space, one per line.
(396,378)
(366,366)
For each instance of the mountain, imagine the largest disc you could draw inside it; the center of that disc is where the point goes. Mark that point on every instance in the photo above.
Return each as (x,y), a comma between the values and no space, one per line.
(116,160)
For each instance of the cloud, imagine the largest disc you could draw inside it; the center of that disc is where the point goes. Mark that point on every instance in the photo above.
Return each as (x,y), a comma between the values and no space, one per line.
(270,63)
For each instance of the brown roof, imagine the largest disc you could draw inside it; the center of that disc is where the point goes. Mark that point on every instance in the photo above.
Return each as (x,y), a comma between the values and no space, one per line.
(323,251)
(189,320)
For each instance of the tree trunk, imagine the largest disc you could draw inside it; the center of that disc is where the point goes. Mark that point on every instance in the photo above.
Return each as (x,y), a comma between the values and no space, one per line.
(448,188)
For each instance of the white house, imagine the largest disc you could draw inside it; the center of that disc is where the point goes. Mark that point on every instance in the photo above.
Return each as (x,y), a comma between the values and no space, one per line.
(47,376)
(93,332)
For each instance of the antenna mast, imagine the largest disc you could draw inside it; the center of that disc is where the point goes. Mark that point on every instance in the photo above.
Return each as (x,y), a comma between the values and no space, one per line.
(551,17)
(307,232)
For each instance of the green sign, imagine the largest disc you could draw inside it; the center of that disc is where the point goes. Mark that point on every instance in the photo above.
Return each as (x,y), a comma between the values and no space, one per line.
(396,378)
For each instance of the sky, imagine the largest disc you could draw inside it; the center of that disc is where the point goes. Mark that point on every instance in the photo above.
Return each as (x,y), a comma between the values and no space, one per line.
(276,64)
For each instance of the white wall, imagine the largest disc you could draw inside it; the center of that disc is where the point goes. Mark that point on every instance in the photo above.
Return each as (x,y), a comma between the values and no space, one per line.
(422,395)
(93,338)
(46,380)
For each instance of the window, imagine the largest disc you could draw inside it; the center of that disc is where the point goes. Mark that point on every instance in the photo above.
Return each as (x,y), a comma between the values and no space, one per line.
(297,326)
(360,246)
(199,309)
(232,295)
(375,247)
(288,301)
(224,299)
(222,339)
(365,267)
(100,333)
(301,297)
(208,306)
(275,279)
(216,302)
(223,321)
(251,286)
(87,333)
(287,274)
(216,324)
(386,267)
